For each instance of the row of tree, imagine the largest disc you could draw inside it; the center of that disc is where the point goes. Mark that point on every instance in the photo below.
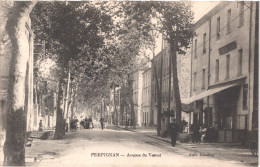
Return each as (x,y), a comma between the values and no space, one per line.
(94,45)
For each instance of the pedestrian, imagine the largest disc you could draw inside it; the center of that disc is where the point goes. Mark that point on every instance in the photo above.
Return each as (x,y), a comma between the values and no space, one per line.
(128,122)
(101,123)
(67,125)
(131,123)
(196,129)
(91,125)
(202,132)
(174,132)
(82,124)
(87,123)
(40,125)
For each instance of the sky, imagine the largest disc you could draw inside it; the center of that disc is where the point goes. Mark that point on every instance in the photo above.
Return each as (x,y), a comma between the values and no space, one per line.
(200,8)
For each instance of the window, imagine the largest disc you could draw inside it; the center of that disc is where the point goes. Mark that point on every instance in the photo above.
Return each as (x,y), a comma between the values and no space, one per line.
(194,81)
(241,14)
(227,66)
(245,91)
(218,28)
(203,79)
(240,60)
(204,42)
(217,71)
(228,21)
(195,47)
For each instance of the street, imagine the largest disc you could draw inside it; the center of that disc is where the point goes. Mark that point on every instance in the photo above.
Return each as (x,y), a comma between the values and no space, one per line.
(119,147)
(180,67)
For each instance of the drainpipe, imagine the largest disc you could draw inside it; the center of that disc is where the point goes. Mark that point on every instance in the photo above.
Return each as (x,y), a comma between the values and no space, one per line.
(191,57)
(249,64)
(256,74)
(209,69)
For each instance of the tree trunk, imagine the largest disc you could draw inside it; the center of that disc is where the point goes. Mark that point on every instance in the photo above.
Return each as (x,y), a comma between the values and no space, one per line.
(60,122)
(159,104)
(14,148)
(66,109)
(176,82)
(160,100)
(73,98)
(130,89)
(169,93)
(101,108)
(115,110)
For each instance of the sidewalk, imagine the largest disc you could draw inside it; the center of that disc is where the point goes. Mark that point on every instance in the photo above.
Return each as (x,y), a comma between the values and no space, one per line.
(152,132)
(223,151)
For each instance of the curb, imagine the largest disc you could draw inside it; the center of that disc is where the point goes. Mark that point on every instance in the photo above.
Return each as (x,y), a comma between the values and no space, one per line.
(155,137)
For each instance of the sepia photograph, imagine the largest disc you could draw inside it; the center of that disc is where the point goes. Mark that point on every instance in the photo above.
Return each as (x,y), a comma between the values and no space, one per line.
(129,83)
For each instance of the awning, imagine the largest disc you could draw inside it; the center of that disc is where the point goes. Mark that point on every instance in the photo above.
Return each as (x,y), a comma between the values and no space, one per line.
(207,93)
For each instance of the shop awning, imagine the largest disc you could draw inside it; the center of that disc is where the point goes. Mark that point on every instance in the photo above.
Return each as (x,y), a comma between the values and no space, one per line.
(207,93)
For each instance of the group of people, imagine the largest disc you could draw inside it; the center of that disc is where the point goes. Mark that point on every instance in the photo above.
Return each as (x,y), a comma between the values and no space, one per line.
(129,122)
(87,123)
(199,133)
(74,123)
(71,124)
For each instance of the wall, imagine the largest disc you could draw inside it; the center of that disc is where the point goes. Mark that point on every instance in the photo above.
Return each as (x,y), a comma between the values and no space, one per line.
(240,38)
(146,102)
(183,69)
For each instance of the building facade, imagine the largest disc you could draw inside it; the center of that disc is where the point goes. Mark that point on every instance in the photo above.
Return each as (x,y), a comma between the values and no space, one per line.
(146,95)
(162,66)
(223,70)
(137,95)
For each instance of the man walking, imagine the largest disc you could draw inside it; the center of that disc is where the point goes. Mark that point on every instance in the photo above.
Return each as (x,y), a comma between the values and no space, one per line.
(174,132)
(102,123)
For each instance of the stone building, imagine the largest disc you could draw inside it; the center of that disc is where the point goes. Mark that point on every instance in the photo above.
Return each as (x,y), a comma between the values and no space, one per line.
(224,70)
(183,70)
(137,95)
(146,95)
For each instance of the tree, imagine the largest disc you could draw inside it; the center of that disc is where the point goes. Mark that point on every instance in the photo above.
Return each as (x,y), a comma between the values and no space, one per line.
(14,150)
(74,31)
(174,20)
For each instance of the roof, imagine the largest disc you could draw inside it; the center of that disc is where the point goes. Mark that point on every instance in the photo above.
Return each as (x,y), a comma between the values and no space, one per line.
(161,52)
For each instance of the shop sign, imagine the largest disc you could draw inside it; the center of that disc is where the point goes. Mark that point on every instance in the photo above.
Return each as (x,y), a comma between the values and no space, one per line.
(227,48)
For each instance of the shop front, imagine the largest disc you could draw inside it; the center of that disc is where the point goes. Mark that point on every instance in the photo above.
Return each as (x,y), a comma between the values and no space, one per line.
(218,110)
(231,125)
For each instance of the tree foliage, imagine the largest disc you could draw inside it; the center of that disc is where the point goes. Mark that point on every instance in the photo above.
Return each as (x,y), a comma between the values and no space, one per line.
(71,29)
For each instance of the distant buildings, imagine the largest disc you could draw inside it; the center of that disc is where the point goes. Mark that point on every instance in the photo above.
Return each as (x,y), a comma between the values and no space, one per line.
(224,70)
(146,95)
(137,95)
(162,63)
